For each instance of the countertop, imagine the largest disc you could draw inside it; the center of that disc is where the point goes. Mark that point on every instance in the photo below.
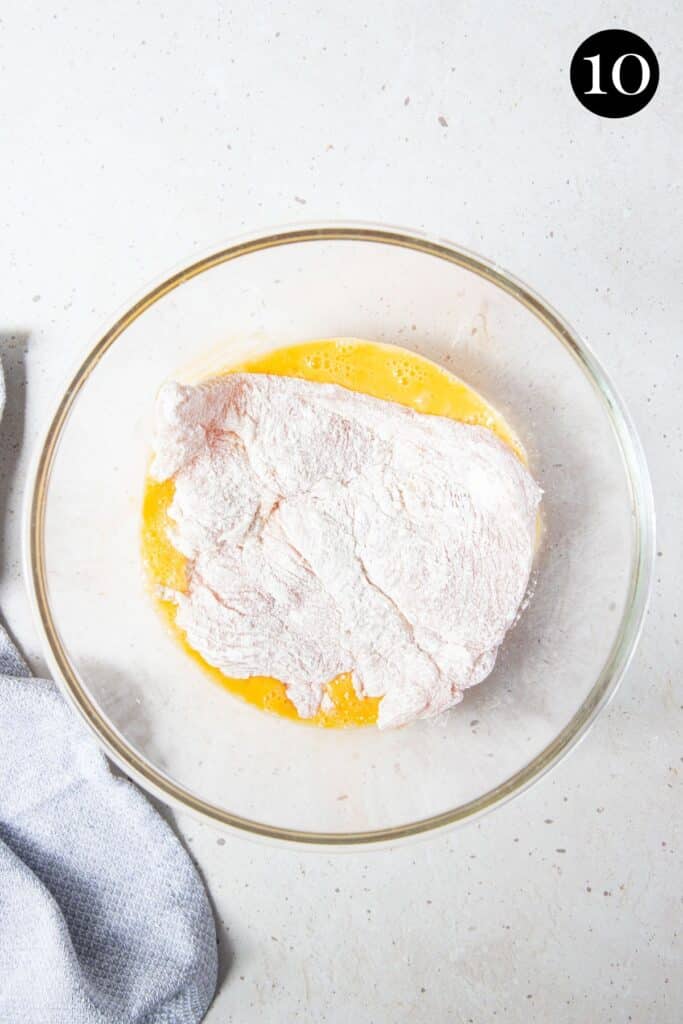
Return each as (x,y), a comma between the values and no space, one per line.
(135,135)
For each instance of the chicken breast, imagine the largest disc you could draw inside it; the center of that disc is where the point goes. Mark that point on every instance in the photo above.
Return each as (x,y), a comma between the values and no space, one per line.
(327,531)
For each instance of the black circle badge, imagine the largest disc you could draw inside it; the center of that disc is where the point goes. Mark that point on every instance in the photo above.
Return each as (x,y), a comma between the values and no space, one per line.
(614,73)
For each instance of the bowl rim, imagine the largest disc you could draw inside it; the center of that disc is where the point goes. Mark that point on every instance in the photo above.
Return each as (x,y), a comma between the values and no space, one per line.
(635,467)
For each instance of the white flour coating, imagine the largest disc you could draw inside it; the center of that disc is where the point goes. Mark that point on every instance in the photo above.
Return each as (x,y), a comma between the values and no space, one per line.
(328,531)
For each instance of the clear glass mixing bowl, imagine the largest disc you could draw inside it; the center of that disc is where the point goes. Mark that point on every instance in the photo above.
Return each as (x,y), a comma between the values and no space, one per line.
(165,722)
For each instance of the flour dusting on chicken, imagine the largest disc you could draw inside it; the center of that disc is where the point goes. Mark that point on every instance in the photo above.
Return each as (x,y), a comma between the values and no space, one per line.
(327,531)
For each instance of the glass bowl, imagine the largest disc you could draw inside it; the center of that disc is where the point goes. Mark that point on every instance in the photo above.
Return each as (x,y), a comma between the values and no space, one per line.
(156,712)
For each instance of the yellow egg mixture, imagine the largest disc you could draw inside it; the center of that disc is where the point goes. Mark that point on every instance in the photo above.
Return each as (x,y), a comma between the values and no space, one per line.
(382,371)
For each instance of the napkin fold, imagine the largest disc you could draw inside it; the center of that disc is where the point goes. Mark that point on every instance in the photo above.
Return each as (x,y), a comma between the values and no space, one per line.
(103,917)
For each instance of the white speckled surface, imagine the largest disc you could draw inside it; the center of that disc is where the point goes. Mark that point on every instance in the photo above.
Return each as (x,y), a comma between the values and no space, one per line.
(136,134)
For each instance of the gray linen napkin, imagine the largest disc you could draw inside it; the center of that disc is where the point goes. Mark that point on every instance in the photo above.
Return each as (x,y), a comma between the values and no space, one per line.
(103,917)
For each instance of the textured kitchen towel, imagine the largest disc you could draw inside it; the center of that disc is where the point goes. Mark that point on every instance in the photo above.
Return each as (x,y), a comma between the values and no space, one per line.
(103,918)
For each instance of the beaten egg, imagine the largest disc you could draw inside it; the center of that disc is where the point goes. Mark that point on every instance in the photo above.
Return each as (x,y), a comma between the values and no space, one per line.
(382,371)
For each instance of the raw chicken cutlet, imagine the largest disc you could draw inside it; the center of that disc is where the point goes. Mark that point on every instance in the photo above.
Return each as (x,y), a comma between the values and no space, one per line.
(327,531)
